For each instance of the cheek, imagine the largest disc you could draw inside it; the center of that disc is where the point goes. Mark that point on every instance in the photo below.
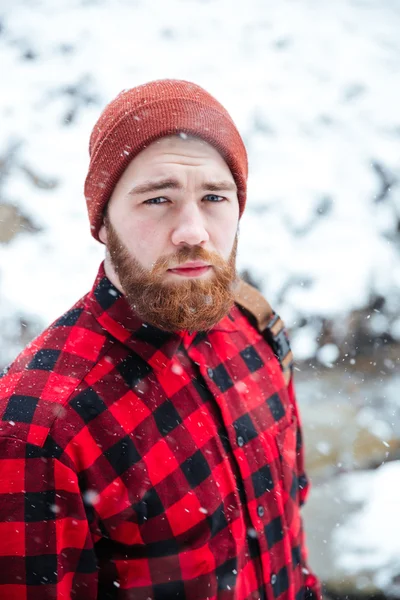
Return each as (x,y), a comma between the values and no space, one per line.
(223,237)
(145,242)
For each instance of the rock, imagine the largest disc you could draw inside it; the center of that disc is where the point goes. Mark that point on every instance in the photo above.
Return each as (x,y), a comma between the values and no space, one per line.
(349,422)
(12,222)
(353,532)
(340,437)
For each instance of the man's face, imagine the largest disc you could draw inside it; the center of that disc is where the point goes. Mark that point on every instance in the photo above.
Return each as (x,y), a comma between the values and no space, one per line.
(171,231)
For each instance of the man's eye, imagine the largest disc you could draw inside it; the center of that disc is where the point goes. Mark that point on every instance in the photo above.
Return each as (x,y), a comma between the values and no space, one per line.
(158,200)
(214,198)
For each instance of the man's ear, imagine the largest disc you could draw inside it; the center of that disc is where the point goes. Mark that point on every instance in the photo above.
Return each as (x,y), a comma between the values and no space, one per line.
(103,234)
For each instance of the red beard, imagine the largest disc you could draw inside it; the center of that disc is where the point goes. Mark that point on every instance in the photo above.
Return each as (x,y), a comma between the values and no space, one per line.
(193,304)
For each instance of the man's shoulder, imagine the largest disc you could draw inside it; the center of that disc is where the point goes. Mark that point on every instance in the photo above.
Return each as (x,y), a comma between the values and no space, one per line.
(40,381)
(254,304)
(262,317)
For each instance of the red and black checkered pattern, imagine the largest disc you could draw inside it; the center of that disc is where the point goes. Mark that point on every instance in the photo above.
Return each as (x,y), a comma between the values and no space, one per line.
(139,464)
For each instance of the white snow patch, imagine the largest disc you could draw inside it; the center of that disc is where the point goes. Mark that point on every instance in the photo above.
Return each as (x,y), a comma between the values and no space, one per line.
(328,354)
(370,538)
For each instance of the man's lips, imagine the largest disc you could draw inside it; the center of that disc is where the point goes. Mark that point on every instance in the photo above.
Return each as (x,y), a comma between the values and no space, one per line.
(191,269)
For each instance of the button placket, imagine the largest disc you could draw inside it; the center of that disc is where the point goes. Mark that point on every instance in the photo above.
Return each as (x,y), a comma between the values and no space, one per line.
(217,380)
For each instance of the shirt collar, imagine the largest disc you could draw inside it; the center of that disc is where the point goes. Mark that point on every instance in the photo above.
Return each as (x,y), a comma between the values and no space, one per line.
(157,347)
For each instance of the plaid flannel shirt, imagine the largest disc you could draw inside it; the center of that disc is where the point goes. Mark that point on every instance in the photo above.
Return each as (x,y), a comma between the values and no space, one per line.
(139,464)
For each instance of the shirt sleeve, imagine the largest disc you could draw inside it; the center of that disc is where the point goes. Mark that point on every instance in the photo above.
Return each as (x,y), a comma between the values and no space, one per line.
(313,587)
(46,547)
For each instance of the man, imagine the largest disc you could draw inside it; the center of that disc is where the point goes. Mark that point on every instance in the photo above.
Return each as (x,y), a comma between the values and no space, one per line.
(150,446)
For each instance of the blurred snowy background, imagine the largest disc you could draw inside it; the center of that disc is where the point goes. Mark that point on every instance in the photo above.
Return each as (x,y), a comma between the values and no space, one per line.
(314,87)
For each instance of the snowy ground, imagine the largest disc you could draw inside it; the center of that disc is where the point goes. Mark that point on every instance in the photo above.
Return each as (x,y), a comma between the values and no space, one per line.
(313,86)
(369,541)
(353,530)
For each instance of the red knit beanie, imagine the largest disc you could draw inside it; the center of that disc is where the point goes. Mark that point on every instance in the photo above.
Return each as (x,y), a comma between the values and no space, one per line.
(141,115)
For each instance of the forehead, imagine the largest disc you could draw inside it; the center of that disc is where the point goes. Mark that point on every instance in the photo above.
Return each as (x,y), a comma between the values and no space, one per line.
(180,149)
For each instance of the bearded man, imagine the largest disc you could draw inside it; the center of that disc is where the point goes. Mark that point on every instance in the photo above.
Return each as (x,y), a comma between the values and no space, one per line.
(150,445)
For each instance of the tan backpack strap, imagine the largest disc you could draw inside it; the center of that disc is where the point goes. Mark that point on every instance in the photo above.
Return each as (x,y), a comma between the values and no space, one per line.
(268,323)
(252,300)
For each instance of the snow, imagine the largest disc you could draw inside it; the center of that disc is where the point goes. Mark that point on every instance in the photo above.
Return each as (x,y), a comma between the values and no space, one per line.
(396,329)
(328,354)
(313,88)
(369,540)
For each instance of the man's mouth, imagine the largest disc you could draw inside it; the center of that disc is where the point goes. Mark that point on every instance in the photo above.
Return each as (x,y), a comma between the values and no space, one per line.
(191,269)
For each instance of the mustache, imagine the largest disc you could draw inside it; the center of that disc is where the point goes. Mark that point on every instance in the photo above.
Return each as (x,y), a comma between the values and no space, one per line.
(185,254)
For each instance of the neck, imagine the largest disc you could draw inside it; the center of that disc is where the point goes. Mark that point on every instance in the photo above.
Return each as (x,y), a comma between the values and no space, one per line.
(111,273)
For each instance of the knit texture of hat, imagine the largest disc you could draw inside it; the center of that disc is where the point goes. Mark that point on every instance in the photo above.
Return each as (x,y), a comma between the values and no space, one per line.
(141,115)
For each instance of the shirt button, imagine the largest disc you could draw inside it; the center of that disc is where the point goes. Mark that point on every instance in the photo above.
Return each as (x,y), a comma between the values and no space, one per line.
(273,578)
(260,511)
(210,373)
(240,441)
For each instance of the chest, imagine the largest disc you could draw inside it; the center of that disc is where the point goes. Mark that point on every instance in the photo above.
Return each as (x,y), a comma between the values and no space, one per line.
(192,451)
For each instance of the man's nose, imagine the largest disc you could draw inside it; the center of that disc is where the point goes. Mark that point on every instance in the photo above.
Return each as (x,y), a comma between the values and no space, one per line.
(190,227)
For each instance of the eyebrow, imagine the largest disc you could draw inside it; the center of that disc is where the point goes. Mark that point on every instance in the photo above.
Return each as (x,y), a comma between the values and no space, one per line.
(174,184)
